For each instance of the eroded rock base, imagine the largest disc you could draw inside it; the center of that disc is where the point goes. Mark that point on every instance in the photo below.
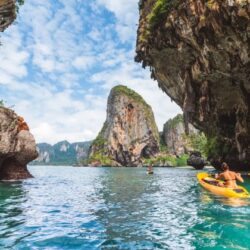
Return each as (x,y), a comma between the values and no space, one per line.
(12,170)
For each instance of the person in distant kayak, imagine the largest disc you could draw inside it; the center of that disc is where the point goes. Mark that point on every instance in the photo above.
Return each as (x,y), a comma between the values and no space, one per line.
(150,169)
(229,177)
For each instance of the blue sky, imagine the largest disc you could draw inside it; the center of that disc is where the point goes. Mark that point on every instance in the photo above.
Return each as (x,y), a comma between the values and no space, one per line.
(62,57)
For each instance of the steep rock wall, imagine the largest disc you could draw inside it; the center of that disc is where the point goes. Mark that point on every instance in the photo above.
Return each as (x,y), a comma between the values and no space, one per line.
(129,132)
(198,51)
(17,146)
(174,135)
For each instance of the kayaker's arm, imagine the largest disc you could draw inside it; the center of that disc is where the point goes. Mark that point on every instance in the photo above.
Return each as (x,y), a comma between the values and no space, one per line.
(218,176)
(238,177)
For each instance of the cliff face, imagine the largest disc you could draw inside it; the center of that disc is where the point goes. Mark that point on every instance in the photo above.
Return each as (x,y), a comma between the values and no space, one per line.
(174,135)
(198,51)
(129,133)
(7,13)
(17,146)
(62,153)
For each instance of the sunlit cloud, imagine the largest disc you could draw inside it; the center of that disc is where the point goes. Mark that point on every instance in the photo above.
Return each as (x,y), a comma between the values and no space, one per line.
(60,60)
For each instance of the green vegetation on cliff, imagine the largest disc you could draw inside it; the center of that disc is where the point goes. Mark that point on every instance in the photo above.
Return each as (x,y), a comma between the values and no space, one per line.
(100,140)
(160,10)
(161,160)
(175,121)
(18,4)
(100,158)
(198,142)
(217,148)
(121,89)
(157,15)
(167,160)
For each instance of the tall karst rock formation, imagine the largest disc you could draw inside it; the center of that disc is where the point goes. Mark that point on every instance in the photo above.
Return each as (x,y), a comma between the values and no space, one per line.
(198,51)
(17,146)
(129,133)
(174,135)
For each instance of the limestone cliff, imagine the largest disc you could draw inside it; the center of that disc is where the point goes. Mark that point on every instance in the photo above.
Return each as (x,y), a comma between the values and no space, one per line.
(62,153)
(129,133)
(17,146)
(174,136)
(198,50)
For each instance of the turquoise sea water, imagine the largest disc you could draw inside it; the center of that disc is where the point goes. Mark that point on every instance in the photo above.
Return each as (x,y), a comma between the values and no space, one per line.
(119,208)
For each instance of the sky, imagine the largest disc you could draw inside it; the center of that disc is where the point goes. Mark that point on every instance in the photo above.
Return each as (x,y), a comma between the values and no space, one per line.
(60,60)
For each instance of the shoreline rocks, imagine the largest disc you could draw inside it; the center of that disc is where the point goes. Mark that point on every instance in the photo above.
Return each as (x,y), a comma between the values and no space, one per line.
(17,146)
(196,161)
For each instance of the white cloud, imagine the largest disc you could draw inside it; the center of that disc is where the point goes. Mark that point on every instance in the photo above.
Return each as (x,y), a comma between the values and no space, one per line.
(126,13)
(130,74)
(83,62)
(58,116)
(58,65)
(13,57)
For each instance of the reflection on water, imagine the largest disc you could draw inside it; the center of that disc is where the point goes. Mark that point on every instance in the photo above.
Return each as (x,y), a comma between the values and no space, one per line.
(207,198)
(11,213)
(119,208)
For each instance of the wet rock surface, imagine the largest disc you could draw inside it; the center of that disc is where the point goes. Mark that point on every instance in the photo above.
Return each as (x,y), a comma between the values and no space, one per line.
(198,51)
(196,160)
(17,146)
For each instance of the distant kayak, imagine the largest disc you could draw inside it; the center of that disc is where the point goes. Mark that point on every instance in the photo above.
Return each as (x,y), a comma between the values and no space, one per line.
(150,172)
(211,184)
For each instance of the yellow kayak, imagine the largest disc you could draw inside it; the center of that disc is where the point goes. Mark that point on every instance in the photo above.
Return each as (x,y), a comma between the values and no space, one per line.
(211,184)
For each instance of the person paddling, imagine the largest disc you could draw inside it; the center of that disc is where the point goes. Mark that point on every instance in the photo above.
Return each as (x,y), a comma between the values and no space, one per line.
(229,177)
(150,169)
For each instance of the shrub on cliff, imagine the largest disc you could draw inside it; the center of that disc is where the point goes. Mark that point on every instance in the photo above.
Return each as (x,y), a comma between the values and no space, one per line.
(198,142)
(18,4)
(160,10)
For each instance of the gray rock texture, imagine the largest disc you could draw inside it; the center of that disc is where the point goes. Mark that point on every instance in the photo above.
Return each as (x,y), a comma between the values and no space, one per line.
(196,160)
(174,135)
(129,133)
(198,51)
(17,146)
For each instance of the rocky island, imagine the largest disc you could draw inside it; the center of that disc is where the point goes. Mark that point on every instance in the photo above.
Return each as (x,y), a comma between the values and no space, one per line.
(198,51)
(174,135)
(17,146)
(129,133)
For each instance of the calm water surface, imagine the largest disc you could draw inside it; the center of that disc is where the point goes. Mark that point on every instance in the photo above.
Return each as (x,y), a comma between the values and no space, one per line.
(118,208)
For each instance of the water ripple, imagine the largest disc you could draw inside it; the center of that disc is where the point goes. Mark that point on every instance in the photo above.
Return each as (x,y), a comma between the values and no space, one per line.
(123,208)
